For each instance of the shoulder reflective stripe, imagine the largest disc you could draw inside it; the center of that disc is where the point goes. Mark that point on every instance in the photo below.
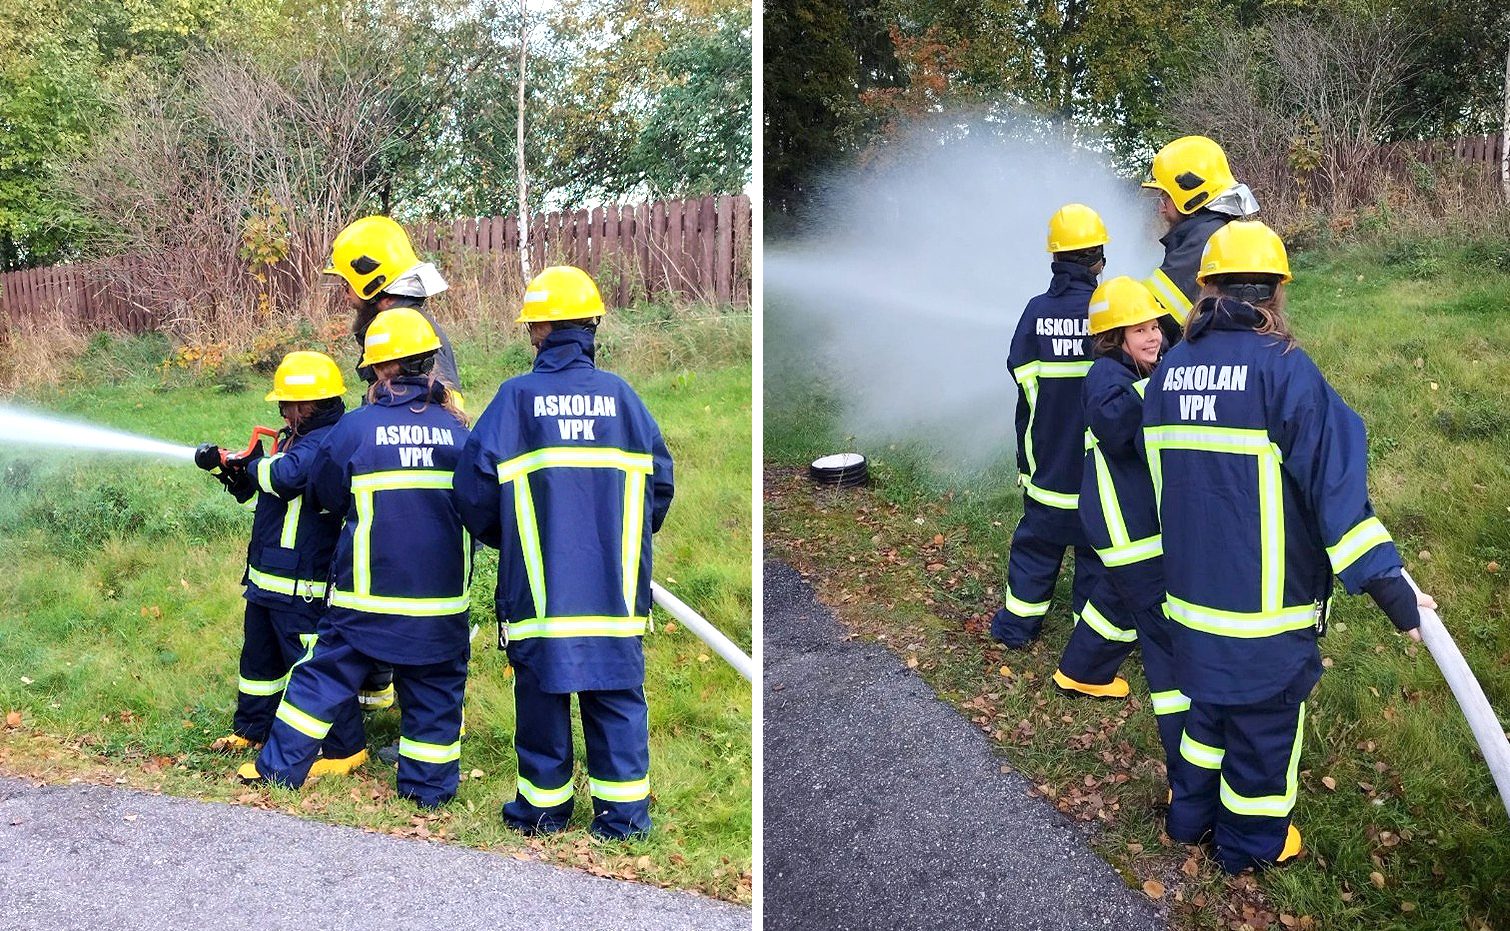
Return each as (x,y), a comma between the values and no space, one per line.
(1111,508)
(1053,499)
(283,586)
(260,686)
(529,542)
(1365,535)
(402,478)
(290,534)
(582,626)
(1063,369)
(631,538)
(574,457)
(306,724)
(1236,440)
(1098,622)
(264,470)
(631,791)
(1199,754)
(1025,608)
(1135,551)
(1025,373)
(1170,702)
(1271,535)
(1169,295)
(406,607)
(429,753)
(1237,623)
(1269,806)
(544,798)
(1141,386)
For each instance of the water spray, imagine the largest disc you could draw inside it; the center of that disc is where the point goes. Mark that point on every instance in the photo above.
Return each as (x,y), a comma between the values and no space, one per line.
(32,429)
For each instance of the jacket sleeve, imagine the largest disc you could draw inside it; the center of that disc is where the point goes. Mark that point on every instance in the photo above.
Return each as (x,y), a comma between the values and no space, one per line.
(1325,451)
(328,487)
(1020,354)
(475,490)
(1113,410)
(286,474)
(662,487)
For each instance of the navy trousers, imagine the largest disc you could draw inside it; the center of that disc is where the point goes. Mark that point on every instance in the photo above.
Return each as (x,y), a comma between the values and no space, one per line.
(1240,781)
(272,643)
(1033,562)
(325,687)
(616,730)
(1104,634)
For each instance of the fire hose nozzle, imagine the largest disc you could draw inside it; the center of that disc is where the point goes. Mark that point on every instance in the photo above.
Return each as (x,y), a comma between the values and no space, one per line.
(227,457)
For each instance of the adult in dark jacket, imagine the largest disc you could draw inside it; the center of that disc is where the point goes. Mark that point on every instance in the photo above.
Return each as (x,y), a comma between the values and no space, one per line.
(567,475)
(1260,472)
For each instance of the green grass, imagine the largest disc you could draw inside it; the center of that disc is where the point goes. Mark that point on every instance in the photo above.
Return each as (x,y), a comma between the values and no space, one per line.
(123,613)
(1417,339)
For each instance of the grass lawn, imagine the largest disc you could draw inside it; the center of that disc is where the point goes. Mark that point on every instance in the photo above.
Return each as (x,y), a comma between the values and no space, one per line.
(1402,823)
(122,612)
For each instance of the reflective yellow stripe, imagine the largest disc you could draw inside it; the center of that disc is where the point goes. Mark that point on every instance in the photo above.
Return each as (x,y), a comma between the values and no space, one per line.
(1239,623)
(544,798)
(581,457)
(582,626)
(1365,535)
(306,724)
(1271,535)
(1029,384)
(1135,551)
(1032,370)
(1098,622)
(1198,754)
(529,541)
(361,544)
(395,604)
(1025,608)
(1241,441)
(261,686)
(1170,702)
(1169,295)
(364,489)
(1054,499)
(427,752)
(631,791)
(264,470)
(1122,551)
(283,586)
(1141,386)
(290,534)
(1111,508)
(396,479)
(632,539)
(1269,806)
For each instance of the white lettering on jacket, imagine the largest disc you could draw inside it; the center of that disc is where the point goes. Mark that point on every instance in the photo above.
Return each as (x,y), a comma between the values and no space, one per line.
(1206,378)
(409,434)
(576,405)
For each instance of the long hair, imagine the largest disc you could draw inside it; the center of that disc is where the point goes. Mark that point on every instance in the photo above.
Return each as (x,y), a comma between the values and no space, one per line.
(385,372)
(1271,309)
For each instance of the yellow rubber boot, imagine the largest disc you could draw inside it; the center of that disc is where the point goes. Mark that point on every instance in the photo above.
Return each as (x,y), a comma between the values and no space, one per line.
(233,743)
(1117,688)
(339,766)
(378,700)
(248,774)
(1293,846)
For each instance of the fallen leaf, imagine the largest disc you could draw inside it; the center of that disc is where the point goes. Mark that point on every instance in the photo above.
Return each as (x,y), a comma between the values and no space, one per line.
(1377,878)
(702,657)
(1005,671)
(13,719)
(26,680)
(1329,782)
(477,774)
(1287,920)
(938,538)
(1190,868)
(1492,566)
(1153,889)
(912,662)
(1407,907)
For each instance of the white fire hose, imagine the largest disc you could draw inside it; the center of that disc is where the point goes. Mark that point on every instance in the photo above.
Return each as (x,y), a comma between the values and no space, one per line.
(706,632)
(1470,695)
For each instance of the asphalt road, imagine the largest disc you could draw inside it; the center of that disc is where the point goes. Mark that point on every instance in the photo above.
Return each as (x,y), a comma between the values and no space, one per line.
(93,857)
(885,809)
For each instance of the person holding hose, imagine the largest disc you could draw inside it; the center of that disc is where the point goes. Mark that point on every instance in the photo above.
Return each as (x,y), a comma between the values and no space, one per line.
(1118,512)
(1198,196)
(375,259)
(1049,358)
(401,574)
(1260,473)
(567,475)
(287,559)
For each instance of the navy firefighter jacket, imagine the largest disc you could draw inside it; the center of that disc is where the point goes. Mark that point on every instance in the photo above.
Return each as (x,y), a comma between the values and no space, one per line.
(1173,283)
(567,475)
(401,576)
(288,559)
(1117,507)
(1260,470)
(1048,359)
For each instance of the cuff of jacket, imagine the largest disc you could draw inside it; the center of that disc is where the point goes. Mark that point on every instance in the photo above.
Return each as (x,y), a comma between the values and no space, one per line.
(1396,598)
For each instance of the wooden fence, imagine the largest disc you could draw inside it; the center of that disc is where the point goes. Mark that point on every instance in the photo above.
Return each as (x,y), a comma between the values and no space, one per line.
(697,249)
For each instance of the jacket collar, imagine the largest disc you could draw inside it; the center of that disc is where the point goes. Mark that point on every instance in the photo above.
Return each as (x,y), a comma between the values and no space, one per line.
(323,416)
(564,349)
(1126,361)
(1071,276)
(1202,222)
(1223,313)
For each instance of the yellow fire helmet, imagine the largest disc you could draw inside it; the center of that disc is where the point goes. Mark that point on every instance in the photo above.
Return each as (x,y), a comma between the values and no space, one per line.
(1122,301)
(1244,247)
(561,292)
(1191,170)
(306,376)
(1074,227)
(398,333)
(370,253)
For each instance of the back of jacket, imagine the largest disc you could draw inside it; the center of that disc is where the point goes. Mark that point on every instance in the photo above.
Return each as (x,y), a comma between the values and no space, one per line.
(1173,283)
(401,574)
(1261,475)
(568,476)
(1049,357)
(288,558)
(1117,507)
